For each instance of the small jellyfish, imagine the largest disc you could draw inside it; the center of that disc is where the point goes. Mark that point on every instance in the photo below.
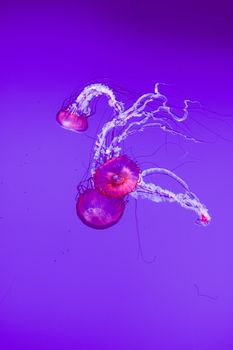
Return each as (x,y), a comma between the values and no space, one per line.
(72,121)
(98,211)
(117,177)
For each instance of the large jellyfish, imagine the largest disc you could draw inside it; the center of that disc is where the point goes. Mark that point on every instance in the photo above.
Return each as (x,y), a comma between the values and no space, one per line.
(113,175)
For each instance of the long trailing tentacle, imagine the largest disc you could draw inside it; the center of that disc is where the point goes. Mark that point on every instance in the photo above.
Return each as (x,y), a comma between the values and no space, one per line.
(187,200)
(167,172)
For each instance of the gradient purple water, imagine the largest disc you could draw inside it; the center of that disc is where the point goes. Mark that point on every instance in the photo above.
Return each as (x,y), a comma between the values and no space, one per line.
(63,285)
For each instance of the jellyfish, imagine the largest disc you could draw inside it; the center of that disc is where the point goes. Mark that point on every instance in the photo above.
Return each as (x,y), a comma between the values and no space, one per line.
(113,175)
(72,121)
(98,211)
(117,177)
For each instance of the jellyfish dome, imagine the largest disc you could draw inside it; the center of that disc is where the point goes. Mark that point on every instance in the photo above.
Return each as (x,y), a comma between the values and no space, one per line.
(72,121)
(117,177)
(98,211)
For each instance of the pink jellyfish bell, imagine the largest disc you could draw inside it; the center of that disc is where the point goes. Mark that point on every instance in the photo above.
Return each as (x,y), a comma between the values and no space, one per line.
(98,211)
(117,177)
(72,121)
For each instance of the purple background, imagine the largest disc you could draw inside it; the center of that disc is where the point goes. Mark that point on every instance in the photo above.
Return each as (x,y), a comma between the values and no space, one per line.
(63,285)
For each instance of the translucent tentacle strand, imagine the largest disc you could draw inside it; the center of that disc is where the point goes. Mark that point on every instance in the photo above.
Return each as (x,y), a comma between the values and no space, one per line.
(187,200)
(82,102)
(164,171)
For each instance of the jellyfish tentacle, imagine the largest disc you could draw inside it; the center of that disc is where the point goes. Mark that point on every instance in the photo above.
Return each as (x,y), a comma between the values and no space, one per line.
(156,121)
(149,119)
(82,102)
(145,99)
(139,126)
(167,172)
(140,249)
(187,200)
(139,106)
